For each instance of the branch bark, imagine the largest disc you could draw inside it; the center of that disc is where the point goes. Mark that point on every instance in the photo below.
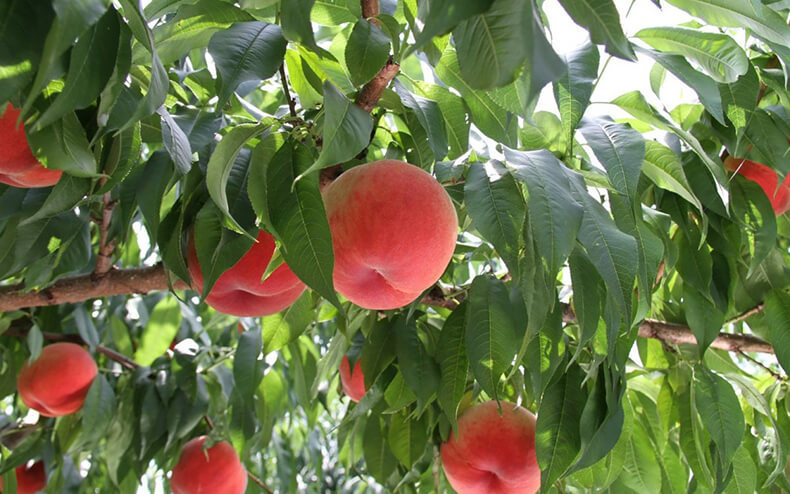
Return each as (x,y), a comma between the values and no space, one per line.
(82,288)
(145,280)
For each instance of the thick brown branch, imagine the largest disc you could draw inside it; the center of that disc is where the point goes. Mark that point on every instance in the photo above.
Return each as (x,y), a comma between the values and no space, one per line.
(144,280)
(106,246)
(81,288)
(370,9)
(372,91)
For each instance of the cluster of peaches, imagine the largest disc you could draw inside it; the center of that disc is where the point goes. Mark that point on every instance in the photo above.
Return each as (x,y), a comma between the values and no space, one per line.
(386,256)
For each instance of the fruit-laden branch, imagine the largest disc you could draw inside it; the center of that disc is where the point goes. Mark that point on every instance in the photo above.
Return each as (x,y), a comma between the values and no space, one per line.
(145,280)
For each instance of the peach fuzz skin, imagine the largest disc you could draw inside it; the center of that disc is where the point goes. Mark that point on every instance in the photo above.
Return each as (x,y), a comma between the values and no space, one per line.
(492,454)
(239,291)
(18,166)
(58,381)
(216,470)
(353,383)
(765,178)
(29,480)
(393,232)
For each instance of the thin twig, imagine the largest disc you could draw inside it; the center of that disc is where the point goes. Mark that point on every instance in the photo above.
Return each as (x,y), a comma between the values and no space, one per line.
(370,9)
(125,361)
(106,246)
(259,482)
(291,101)
(740,317)
(748,357)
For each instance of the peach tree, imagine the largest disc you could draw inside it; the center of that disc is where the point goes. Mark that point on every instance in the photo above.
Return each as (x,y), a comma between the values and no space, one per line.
(619,267)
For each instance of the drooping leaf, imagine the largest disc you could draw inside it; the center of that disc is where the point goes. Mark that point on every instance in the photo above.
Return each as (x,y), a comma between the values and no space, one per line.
(244,52)
(453,362)
(572,91)
(366,52)
(602,20)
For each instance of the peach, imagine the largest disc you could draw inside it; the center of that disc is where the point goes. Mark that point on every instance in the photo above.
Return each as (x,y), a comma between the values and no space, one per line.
(216,470)
(393,233)
(766,178)
(353,382)
(239,291)
(58,381)
(18,166)
(492,453)
(29,480)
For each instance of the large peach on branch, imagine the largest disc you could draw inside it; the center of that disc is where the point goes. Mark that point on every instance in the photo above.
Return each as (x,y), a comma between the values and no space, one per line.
(766,178)
(393,232)
(239,291)
(57,382)
(353,382)
(493,453)
(18,166)
(216,470)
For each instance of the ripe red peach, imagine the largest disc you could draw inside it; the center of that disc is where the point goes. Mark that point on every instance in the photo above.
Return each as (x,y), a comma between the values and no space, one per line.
(30,480)
(492,453)
(393,233)
(239,291)
(58,381)
(765,178)
(18,166)
(216,470)
(353,382)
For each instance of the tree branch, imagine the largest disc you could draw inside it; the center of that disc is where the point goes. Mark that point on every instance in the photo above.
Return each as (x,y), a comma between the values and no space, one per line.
(370,9)
(144,280)
(291,102)
(106,247)
(369,97)
(82,288)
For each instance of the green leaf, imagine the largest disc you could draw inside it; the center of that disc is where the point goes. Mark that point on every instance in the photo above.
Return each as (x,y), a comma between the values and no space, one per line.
(755,16)
(441,16)
(176,142)
(777,314)
(65,195)
(247,369)
(572,91)
(366,52)
(299,220)
(704,86)
(221,163)
(492,46)
(284,327)
(295,21)
(21,42)
(602,20)
(702,316)
(744,473)
(378,351)
(64,146)
(71,20)
(663,167)
(419,369)
(429,115)
(495,204)
(493,333)
(91,64)
(246,51)
(739,98)
(162,327)
(620,149)
(720,411)
(151,189)
(347,129)
(552,210)
(453,362)
(557,439)
(159,82)
(612,252)
(487,115)
(588,296)
(407,438)
(378,456)
(718,54)
(456,123)
(641,470)
(98,410)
